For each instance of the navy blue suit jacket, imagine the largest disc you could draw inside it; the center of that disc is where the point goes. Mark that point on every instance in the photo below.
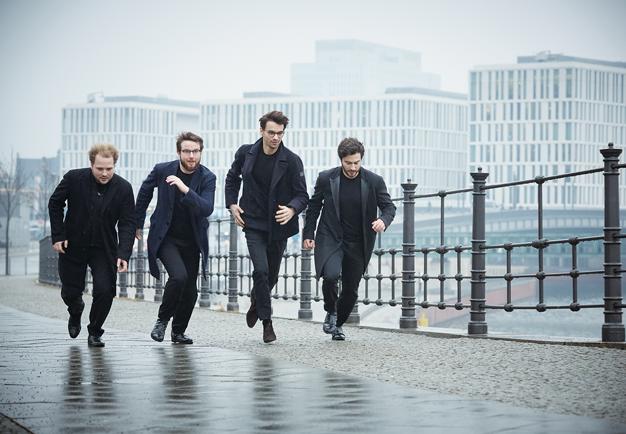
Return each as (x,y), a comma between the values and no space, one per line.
(287,187)
(199,200)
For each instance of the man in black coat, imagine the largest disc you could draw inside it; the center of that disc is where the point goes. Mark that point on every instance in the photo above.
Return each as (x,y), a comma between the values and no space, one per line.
(274,193)
(178,231)
(97,200)
(349,198)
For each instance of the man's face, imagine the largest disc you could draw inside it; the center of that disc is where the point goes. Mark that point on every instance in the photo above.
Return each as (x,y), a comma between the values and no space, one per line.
(351,165)
(103,169)
(272,135)
(189,155)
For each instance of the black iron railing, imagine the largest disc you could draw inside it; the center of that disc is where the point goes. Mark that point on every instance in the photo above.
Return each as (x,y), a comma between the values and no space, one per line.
(229,269)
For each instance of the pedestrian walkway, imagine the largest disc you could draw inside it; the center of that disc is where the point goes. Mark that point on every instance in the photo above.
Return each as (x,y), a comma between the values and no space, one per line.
(52,384)
(230,381)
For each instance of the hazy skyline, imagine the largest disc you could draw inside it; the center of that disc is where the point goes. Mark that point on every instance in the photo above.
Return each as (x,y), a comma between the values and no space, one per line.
(56,52)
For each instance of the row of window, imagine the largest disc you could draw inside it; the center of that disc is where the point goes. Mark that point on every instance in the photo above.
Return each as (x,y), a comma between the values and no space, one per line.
(542,131)
(119,119)
(548,110)
(546,83)
(574,153)
(340,114)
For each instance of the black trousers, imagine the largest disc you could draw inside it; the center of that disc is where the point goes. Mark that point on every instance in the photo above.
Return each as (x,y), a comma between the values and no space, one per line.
(266,257)
(181,259)
(349,263)
(72,271)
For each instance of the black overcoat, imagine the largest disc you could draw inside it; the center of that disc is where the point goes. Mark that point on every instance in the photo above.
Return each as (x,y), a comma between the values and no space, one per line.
(76,188)
(287,187)
(199,200)
(329,235)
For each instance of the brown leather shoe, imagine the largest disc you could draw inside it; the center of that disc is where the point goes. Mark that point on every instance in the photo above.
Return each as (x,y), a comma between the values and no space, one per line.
(268,331)
(251,315)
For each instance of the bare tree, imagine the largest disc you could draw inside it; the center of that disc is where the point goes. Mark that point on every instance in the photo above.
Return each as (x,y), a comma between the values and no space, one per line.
(12,186)
(47,184)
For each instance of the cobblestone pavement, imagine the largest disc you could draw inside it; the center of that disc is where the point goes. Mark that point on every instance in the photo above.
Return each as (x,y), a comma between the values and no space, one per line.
(559,379)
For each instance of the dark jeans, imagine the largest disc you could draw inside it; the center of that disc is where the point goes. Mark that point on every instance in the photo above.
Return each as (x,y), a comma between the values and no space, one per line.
(266,257)
(349,263)
(181,260)
(72,271)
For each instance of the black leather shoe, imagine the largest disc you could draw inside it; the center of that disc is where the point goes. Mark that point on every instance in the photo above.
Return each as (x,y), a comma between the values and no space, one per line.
(94,341)
(73,328)
(330,323)
(251,316)
(180,338)
(158,331)
(338,334)
(268,331)
(73,324)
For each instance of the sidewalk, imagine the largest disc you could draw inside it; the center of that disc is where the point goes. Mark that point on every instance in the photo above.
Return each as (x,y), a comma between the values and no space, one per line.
(229,380)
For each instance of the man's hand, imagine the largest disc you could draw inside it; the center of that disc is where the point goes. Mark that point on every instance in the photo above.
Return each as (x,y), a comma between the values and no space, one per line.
(308,244)
(138,234)
(175,180)
(378,225)
(236,211)
(122,265)
(284,214)
(60,246)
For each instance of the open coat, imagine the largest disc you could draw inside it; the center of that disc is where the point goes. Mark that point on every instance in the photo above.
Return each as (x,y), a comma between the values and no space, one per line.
(329,236)
(287,187)
(199,200)
(76,188)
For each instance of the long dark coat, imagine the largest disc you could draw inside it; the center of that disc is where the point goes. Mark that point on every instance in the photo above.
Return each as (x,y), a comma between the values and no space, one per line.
(329,236)
(76,188)
(199,200)
(287,187)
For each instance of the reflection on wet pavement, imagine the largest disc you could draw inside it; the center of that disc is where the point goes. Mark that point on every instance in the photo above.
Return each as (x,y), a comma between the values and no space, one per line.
(51,383)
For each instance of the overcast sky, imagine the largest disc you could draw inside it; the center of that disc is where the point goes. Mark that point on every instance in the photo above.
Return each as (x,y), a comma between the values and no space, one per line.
(55,52)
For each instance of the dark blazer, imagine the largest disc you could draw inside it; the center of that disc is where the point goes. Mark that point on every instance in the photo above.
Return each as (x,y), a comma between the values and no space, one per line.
(287,187)
(76,188)
(199,200)
(329,235)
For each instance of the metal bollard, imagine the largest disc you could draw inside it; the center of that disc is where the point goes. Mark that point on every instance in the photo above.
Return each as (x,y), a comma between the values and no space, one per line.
(205,300)
(613,327)
(408,320)
(305,311)
(140,269)
(477,324)
(233,304)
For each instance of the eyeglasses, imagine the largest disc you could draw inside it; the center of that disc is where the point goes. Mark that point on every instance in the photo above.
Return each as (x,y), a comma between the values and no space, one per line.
(191,151)
(274,133)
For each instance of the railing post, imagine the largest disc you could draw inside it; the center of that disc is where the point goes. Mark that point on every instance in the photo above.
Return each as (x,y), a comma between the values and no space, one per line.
(158,284)
(140,269)
(305,311)
(477,324)
(233,305)
(408,320)
(613,328)
(123,280)
(205,299)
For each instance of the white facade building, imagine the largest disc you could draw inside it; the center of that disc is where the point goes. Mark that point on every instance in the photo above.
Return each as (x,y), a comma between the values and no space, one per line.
(546,115)
(144,129)
(358,68)
(417,134)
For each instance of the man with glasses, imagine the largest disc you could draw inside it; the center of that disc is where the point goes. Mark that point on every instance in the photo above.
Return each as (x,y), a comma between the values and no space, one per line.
(274,192)
(178,231)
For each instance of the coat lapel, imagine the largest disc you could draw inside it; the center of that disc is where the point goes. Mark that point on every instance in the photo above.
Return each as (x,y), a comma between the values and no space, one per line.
(171,190)
(279,168)
(334,190)
(365,188)
(248,163)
